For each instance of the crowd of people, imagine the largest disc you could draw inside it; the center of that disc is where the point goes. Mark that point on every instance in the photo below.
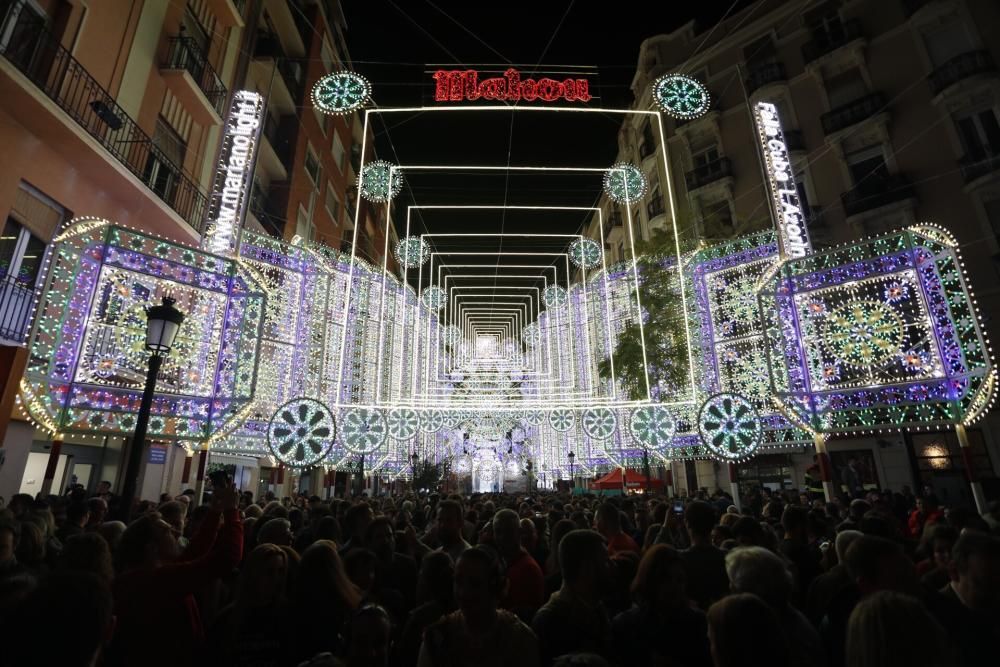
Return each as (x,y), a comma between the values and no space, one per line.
(497,579)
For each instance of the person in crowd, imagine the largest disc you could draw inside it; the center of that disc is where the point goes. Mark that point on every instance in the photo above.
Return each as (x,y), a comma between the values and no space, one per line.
(98,508)
(927,513)
(324,599)
(934,569)
(661,609)
(275,531)
(87,552)
(77,516)
(888,629)
(10,535)
(435,599)
(609,525)
(450,524)
(479,634)
(393,571)
(154,592)
(574,618)
(32,548)
(370,637)
(795,547)
(356,521)
(969,605)
(553,577)
(832,582)
(525,582)
(704,563)
(764,574)
(253,629)
(743,630)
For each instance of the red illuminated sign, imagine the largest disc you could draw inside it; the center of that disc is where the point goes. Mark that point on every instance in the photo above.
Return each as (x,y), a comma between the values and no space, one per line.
(464,85)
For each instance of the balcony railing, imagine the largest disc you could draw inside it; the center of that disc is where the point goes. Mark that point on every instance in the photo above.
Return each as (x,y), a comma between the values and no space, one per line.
(979,163)
(261,209)
(37,54)
(876,192)
(16,298)
(655,207)
(708,173)
(852,112)
(765,74)
(961,67)
(291,73)
(185,53)
(832,38)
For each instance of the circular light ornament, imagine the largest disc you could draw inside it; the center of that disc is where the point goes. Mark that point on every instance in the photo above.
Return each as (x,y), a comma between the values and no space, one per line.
(585,253)
(380,181)
(554,296)
(561,419)
(730,427)
(433,298)
(625,183)
(451,335)
(488,470)
(412,251)
(600,423)
(534,417)
(652,426)
(531,335)
(301,432)
(864,333)
(404,423)
(681,96)
(463,464)
(341,93)
(363,430)
(452,419)
(431,421)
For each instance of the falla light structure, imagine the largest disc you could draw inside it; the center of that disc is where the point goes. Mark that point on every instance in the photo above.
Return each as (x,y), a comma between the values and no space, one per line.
(316,357)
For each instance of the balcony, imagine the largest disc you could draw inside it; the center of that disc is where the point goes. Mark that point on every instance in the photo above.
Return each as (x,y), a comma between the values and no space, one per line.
(287,86)
(16,298)
(979,163)
(708,173)
(874,193)
(655,207)
(853,112)
(228,12)
(832,38)
(40,58)
(614,222)
(288,21)
(274,151)
(959,68)
(193,81)
(765,74)
(260,208)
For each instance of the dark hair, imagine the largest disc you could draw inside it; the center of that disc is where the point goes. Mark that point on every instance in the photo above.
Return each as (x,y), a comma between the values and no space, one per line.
(437,573)
(576,549)
(450,506)
(353,516)
(327,528)
(745,631)
(76,510)
(377,523)
(652,569)
(699,517)
(973,543)
(87,552)
(491,560)
(863,558)
(610,515)
(794,517)
(135,539)
(320,581)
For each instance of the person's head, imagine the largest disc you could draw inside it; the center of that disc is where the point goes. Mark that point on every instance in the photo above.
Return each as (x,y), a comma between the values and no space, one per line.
(321,582)
(98,510)
(844,539)
(77,513)
(699,517)
(79,604)
(720,534)
(10,533)
(608,520)
(381,538)
(480,581)
(744,630)
(795,522)
(449,522)
(759,571)
(175,513)
(507,532)
(975,570)
(371,629)
(87,552)
(149,541)
(437,572)
(103,488)
(889,628)
(275,531)
(263,578)
(327,528)
(361,565)
(30,548)
(940,541)
(660,581)
(878,564)
(583,559)
(857,509)
(357,518)
(529,534)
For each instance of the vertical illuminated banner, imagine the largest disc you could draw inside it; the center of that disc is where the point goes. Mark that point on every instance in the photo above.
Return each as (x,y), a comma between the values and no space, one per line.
(790,218)
(234,173)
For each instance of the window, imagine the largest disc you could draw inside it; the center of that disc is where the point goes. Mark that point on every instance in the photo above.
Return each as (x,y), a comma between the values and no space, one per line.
(163,164)
(705,157)
(312,166)
(845,88)
(21,253)
(303,225)
(332,204)
(338,151)
(717,216)
(946,41)
(979,133)
(867,166)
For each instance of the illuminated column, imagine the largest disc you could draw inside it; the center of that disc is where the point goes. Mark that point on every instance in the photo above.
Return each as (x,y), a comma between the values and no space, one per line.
(825,468)
(53,463)
(199,488)
(970,472)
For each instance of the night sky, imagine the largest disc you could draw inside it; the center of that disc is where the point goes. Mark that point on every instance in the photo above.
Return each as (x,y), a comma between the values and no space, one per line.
(398,45)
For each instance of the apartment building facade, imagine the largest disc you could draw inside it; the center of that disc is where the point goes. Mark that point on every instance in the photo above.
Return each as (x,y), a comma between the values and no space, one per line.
(891,110)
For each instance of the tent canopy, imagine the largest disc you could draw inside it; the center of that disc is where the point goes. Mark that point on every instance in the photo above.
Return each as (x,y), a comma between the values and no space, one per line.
(633,480)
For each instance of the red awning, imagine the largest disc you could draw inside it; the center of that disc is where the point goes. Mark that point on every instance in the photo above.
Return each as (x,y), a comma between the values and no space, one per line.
(633,480)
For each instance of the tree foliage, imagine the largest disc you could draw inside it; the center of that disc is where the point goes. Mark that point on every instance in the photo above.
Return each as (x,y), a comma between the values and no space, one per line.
(428,475)
(663,326)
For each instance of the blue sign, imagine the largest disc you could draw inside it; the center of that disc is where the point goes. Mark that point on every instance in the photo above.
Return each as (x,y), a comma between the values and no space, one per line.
(157,454)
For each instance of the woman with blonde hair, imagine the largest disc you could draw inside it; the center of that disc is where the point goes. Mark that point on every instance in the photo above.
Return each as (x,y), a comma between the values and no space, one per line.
(888,628)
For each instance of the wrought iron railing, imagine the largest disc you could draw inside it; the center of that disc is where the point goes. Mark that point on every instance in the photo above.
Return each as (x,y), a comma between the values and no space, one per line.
(39,56)
(961,67)
(185,53)
(708,173)
(830,38)
(979,163)
(764,74)
(853,112)
(16,298)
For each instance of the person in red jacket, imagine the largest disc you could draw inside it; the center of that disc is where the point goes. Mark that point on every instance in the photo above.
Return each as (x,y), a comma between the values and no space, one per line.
(927,514)
(158,619)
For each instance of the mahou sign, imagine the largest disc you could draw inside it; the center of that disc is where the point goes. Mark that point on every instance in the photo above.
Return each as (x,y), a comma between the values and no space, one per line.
(464,85)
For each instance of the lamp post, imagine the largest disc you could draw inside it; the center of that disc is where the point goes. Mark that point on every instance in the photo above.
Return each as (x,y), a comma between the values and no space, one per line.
(414,460)
(162,324)
(572,457)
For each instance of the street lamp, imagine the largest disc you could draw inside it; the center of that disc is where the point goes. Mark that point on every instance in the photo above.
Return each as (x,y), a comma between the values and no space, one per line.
(162,325)
(572,457)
